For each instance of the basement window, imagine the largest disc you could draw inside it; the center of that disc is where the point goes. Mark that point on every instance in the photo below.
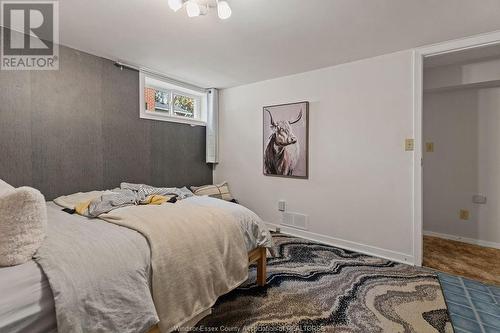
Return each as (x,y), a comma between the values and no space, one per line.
(165,101)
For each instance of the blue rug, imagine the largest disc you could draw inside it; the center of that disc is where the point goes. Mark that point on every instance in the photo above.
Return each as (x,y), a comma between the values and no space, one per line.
(474,307)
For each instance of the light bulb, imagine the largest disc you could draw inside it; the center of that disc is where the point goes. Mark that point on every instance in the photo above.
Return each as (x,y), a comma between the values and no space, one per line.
(192,9)
(175,5)
(223,10)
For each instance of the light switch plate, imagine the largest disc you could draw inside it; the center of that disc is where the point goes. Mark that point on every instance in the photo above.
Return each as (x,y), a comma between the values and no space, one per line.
(429,147)
(464,214)
(479,199)
(409,144)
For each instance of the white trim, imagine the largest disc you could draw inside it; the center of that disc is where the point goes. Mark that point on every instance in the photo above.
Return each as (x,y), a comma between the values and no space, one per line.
(175,119)
(419,54)
(487,39)
(345,244)
(174,82)
(417,158)
(467,240)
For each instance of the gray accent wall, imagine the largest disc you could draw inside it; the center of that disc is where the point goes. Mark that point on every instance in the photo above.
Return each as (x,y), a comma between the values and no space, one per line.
(78,129)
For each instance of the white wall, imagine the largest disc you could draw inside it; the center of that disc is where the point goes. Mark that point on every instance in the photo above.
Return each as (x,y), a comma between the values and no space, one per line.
(479,73)
(489,164)
(359,191)
(464,126)
(450,172)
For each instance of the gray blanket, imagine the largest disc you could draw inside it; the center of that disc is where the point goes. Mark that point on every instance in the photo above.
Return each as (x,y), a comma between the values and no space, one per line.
(129,195)
(93,290)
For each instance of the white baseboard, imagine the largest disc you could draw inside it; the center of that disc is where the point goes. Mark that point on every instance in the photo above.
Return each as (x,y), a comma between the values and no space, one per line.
(463,239)
(345,244)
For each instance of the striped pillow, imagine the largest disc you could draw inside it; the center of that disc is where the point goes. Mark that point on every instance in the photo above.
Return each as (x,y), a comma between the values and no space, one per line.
(220,191)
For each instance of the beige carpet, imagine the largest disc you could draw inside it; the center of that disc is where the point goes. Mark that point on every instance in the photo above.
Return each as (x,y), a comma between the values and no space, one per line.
(471,261)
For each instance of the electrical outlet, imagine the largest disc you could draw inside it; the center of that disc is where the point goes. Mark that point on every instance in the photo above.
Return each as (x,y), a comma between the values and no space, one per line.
(429,147)
(409,144)
(464,214)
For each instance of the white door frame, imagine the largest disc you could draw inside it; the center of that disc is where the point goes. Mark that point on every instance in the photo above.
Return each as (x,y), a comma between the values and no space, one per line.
(419,54)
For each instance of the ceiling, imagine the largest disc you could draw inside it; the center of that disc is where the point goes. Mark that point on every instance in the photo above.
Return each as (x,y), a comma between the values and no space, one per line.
(264,39)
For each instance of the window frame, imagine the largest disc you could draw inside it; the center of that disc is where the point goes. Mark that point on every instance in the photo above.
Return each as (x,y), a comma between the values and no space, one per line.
(197,106)
(200,97)
(163,90)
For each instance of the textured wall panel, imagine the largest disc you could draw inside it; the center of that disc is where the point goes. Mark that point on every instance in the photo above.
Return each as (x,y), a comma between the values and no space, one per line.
(178,154)
(15,127)
(78,129)
(66,118)
(126,138)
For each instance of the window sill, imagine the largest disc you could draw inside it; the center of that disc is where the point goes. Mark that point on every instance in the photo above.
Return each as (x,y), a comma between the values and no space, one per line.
(174,119)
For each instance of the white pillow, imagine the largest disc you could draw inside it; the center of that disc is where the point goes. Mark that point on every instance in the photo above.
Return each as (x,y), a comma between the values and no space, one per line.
(4,187)
(23,224)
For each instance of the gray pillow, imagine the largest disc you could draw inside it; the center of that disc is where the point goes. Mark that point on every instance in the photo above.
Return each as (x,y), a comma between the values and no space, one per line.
(23,223)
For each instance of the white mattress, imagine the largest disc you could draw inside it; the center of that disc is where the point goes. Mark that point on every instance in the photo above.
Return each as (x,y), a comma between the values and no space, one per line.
(26,302)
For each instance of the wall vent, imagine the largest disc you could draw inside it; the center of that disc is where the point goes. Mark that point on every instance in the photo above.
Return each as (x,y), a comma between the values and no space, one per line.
(295,220)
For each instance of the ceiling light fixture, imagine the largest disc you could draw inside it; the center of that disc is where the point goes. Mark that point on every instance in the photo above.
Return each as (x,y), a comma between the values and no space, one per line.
(175,5)
(223,10)
(194,9)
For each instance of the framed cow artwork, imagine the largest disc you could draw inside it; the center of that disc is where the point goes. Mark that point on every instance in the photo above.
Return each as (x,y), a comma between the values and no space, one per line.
(286,140)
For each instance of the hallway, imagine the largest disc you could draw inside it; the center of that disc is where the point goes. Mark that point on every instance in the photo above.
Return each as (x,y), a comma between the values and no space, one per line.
(467,260)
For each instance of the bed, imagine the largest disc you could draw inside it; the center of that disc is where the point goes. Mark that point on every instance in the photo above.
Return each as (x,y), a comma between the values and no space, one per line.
(27,303)
(35,300)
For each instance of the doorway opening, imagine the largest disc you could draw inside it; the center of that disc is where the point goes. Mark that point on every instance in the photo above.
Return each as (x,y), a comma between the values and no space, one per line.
(460,147)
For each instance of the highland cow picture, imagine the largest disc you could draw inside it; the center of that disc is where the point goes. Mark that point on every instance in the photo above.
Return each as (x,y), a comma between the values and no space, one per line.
(286,140)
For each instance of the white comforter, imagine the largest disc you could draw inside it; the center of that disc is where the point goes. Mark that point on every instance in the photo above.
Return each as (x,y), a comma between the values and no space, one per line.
(253,228)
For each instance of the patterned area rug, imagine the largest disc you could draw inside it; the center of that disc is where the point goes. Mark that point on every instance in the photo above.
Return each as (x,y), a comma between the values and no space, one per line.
(318,288)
